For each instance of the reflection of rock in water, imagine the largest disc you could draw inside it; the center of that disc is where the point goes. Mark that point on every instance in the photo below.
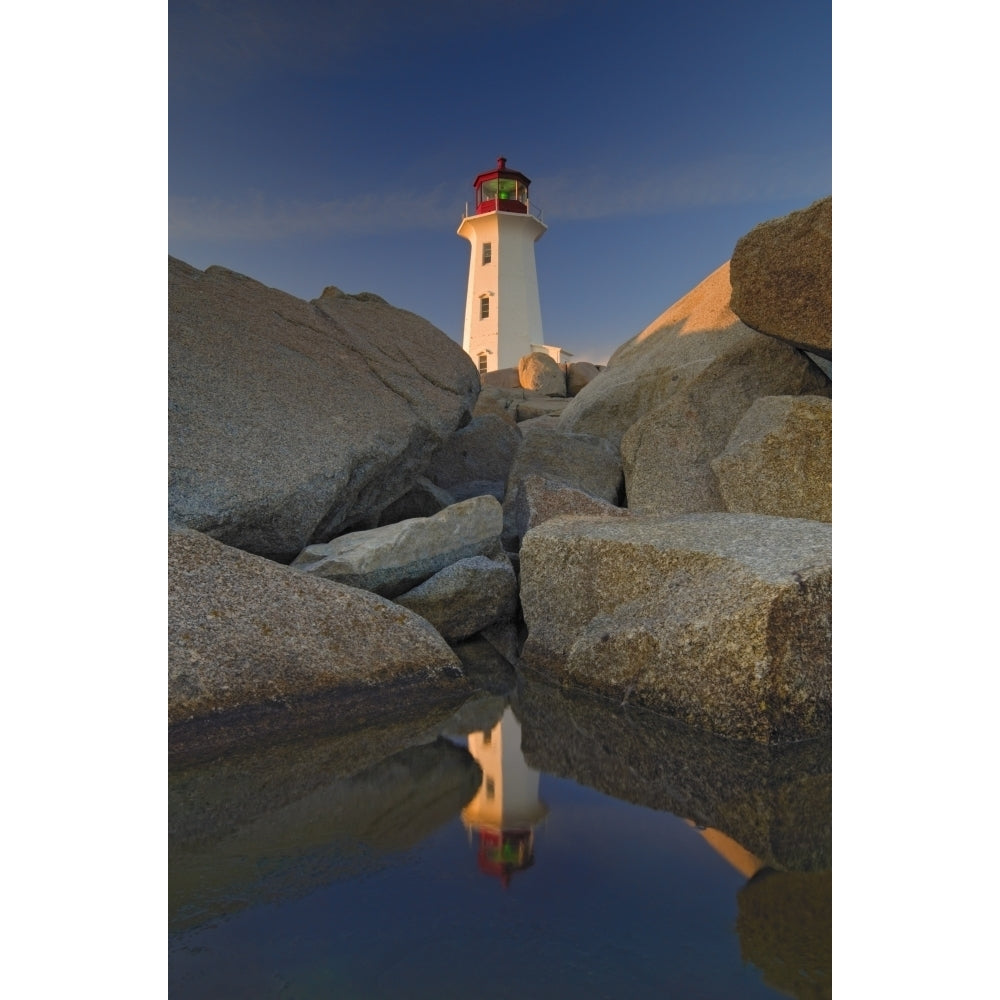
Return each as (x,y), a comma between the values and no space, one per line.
(476,715)
(210,800)
(485,665)
(785,928)
(775,802)
(338,714)
(333,829)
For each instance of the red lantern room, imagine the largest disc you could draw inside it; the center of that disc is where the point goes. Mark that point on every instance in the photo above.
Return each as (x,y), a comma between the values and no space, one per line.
(501,190)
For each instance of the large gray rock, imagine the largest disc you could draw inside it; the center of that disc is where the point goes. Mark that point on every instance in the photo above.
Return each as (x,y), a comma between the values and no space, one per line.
(667,454)
(579,374)
(498,401)
(579,461)
(397,557)
(536,405)
(466,597)
(246,632)
(291,421)
(719,620)
(538,500)
(422,499)
(779,459)
(698,347)
(518,405)
(548,422)
(476,459)
(782,275)
(541,373)
(501,378)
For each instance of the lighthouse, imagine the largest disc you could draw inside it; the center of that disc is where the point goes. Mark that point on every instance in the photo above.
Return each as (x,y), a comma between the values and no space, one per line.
(503,317)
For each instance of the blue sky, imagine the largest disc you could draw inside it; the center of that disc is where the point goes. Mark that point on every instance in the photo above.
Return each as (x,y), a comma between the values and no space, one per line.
(321,142)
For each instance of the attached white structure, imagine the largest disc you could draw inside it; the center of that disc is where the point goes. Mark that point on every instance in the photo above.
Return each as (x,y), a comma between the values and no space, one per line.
(503,317)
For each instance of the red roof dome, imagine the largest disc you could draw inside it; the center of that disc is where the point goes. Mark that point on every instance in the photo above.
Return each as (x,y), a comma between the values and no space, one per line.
(501,190)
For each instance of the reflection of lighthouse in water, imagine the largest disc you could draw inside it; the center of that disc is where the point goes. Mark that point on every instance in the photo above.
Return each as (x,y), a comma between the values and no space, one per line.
(506,808)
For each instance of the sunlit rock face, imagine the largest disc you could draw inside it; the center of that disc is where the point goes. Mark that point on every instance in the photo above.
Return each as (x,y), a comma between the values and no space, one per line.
(698,359)
(719,620)
(538,387)
(782,277)
(291,421)
(247,632)
(779,459)
(535,373)
(538,372)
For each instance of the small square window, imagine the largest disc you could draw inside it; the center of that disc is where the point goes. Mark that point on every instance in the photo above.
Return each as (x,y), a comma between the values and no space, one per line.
(487,252)
(484,307)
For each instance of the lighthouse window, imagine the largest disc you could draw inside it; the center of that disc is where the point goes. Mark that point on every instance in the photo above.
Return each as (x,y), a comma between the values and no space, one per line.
(482,371)
(487,252)
(484,307)
(502,189)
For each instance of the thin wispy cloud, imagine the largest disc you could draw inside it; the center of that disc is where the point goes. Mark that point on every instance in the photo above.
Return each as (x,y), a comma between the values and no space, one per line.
(257,218)
(578,194)
(736,179)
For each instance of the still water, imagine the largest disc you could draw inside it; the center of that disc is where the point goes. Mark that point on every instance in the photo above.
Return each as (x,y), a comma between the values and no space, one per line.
(530,844)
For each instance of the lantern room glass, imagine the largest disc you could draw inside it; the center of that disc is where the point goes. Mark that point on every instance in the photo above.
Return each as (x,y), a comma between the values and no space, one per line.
(502,189)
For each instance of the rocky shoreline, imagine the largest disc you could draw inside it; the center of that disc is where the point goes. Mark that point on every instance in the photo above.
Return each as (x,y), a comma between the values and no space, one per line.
(349,504)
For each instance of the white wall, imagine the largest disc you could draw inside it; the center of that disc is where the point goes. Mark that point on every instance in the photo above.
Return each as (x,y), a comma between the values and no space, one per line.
(511,283)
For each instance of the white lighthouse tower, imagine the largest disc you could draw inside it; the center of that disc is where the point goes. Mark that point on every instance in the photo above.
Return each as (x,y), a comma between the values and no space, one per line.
(503,318)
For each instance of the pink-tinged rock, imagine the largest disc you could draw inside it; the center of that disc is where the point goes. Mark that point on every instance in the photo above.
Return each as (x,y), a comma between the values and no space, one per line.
(698,349)
(538,372)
